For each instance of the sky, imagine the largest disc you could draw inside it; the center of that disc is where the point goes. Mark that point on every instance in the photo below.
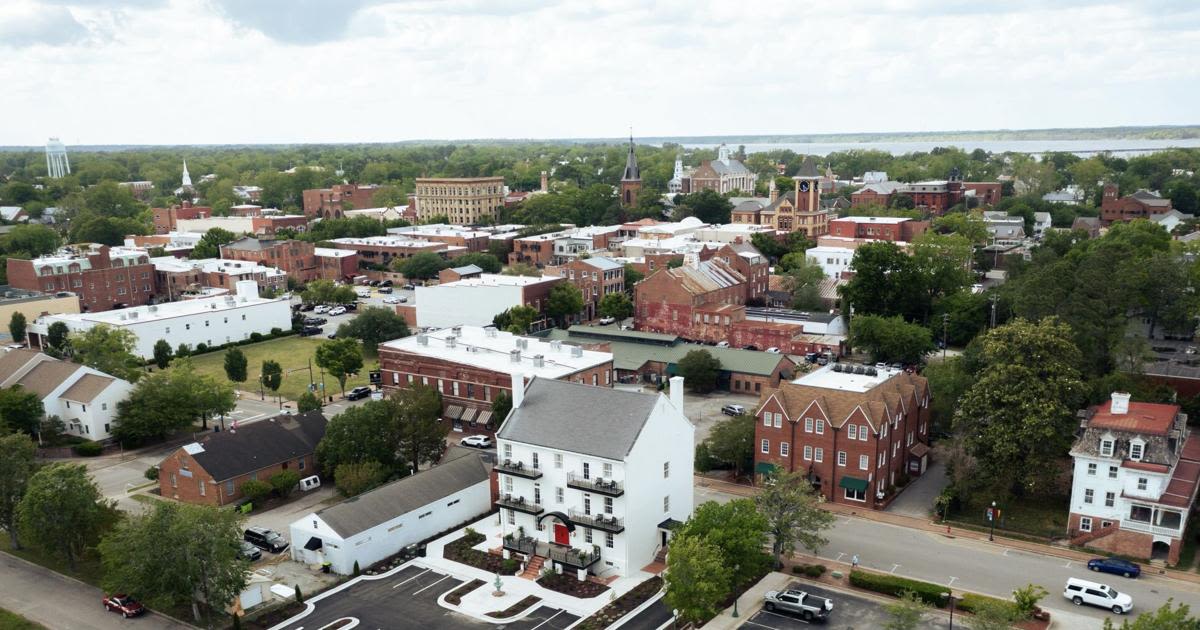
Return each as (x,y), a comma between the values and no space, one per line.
(314,71)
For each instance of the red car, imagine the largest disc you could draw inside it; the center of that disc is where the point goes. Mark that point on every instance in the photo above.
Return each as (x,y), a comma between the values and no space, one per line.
(124,604)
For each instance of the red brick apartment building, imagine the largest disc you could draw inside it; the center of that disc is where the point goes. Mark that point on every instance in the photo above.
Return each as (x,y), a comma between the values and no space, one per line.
(104,278)
(855,432)
(891,229)
(295,258)
(380,251)
(212,470)
(333,202)
(472,365)
(167,219)
(595,277)
(1142,204)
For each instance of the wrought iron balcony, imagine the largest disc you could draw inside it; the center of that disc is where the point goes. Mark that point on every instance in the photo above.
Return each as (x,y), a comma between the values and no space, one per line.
(519,504)
(607,487)
(521,544)
(518,469)
(567,556)
(604,522)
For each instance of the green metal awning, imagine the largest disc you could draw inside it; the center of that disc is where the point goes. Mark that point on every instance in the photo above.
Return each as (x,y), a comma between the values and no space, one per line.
(854,484)
(765,468)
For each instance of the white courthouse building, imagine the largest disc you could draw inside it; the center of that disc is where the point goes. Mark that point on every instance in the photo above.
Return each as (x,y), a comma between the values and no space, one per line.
(211,321)
(592,479)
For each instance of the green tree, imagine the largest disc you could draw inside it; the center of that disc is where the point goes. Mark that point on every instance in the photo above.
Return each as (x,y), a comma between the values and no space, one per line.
(421,266)
(235,365)
(886,282)
(501,406)
(487,262)
(1027,598)
(565,301)
(92,228)
(731,442)
(167,401)
(162,354)
(707,205)
(964,315)
(31,240)
(968,226)
(16,467)
(358,477)
(890,339)
(255,490)
(359,434)
(992,614)
(943,263)
(56,338)
(284,482)
(62,511)
(906,613)
(802,279)
(794,515)
(768,245)
(517,319)
(209,245)
(616,305)
(699,369)
(632,277)
(176,554)
(341,358)
(20,410)
(1165,617)
(373,326)
(421,433)
(108,199)
(326,292)
(307,402)
(109,350)
(271,375)
(522,269)
(739,531)
(697,579)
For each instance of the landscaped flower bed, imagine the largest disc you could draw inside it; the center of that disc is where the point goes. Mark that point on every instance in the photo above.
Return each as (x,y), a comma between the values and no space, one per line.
(455,596)
(622,606)
(460,550)
(515,608)
(570,585)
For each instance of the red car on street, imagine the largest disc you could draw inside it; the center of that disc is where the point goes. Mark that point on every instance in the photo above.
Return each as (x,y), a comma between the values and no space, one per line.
(124,604)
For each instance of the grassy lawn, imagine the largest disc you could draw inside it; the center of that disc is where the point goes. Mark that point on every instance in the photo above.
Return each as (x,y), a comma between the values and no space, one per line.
(1037,516)
(292,353)
(88,568)
(13,621)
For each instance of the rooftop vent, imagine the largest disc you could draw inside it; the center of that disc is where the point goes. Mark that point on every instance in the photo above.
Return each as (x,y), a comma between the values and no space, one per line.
(456,331)
(522,343)
(837,367)
(514,356)
(450,341)
(858,369)
(489,331)
(539,360)
(556,344)
(576,351)
(423,339)
(872,371)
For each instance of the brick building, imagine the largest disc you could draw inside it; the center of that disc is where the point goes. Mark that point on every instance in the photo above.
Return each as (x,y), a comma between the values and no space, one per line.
(295,258)
(936,196)
(212,470)
(536,250)
(457,236)
(595,277)
(167,219)
(892,229)
(262,225)
(743,258)
(380,251)
(798,210)
(178,278)
(855,432)
(103,277)
(1142,204)
(724,175)
(338,265)
(462,200)
(472,365)
(333,202)
(1136,474)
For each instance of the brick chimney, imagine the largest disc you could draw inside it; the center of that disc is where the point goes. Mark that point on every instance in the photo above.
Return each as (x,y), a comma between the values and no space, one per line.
(1120,403)
(518,391)
(545,181)
(772,190)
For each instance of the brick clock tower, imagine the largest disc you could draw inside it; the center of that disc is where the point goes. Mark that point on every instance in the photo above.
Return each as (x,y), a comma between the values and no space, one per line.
(631,179)
(808,188)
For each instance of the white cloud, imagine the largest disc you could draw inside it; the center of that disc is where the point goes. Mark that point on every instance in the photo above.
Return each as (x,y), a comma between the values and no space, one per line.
(217,71)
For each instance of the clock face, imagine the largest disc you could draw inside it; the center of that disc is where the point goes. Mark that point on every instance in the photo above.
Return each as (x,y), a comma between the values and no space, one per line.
(803,186)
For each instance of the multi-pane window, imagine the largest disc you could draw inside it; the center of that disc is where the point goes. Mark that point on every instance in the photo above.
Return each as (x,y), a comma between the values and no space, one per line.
(1142,483)
(819,455)
(808,452)
(1091,468)
(783,448)
(864,462)
(808,425)
(820,426)
(1110,499)
(841,458)
(765,447)
(1088,495)
(852,432)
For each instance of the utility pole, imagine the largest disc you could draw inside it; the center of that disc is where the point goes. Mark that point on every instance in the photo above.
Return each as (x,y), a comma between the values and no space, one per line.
(945,326)
(994,298)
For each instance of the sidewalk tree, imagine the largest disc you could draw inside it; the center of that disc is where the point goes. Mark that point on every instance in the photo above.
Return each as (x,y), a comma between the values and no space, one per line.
(63,511)
(501,405)
(564,301)
(163,354)
(632,277)
(906,613)
(1165,617)
(209,245)
(16,467)
(794,515)
(20,410)
(235,365)
(341,358)
(56,339)
(516,320)
(366,433)
(307,402)
(284,482)
(739,531)
(731,442)
(373,326)
(886,282)
(616,305)
(890,339)
(699,369)
(109,350)
(697,579)
(420,431)
(271,375)
(16,326)
(326,292)
(176,554)
(421,266)
(1027,598)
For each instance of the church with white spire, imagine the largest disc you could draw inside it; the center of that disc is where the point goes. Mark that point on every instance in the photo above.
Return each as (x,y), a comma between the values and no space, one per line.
(186,181)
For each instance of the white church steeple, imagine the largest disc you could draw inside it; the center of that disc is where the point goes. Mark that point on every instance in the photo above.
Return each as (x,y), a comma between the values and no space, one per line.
(187,179)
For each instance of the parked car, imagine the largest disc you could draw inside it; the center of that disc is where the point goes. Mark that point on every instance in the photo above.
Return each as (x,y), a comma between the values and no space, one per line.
(1082,592)
(385,283)
(337,310)
(353,306)
(477,441)
(410,287)
(722,344)
(321,308)
(604,321)
(393,299)
(809,607)
(733,410)
(773,350)
(249,551)
(358,392)
(332,335)
(315,321)
(1115,566)
(265,539)
(307,307)
(374,283)
(309,331)
(385,289)
(124,604)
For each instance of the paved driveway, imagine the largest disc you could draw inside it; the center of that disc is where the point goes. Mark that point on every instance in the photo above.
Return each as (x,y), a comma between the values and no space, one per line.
(655,616)
(917,499)
(849,612)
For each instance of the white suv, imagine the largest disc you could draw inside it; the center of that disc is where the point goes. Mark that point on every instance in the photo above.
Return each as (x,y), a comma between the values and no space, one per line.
(1082,592)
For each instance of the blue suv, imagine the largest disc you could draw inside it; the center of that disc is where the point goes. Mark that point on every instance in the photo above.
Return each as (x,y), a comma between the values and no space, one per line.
(1115,566)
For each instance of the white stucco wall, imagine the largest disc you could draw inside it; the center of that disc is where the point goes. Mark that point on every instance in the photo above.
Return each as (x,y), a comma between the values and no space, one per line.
(444,306)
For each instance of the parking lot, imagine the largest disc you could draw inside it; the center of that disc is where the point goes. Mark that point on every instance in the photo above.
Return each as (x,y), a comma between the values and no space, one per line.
(408,599)
(849,612)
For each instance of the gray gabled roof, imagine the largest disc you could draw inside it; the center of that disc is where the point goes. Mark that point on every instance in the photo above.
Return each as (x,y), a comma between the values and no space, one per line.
(261,444)
(360,513)
(808,169)
(578,418)
(467,270)
(602,263)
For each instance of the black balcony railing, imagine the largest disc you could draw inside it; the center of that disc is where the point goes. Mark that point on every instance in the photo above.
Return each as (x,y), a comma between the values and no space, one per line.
(519,504)
(598,485)
(604,522)
(567,556)
(518,469)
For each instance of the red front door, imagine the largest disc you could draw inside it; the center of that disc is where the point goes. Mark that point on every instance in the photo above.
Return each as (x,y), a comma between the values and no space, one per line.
(561,535)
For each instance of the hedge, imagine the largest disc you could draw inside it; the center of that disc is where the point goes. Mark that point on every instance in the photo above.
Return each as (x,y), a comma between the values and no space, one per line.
(894,585)
(88,449)
(970,602)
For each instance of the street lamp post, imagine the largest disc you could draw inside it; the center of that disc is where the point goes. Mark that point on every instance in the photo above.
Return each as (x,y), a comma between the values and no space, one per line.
(945,327)
(736,568)
(992,522)
(950,598)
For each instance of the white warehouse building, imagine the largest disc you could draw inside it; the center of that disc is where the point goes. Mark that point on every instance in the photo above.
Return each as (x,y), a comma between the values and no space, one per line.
(592,479)
(211,321)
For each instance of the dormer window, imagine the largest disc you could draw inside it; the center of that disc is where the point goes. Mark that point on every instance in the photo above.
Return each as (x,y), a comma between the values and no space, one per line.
(1106,447)
(1137,448)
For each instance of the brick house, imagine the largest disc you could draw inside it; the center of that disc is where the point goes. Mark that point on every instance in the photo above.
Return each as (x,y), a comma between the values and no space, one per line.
(856,432)
(595,277)
(297,259)
(1142,204)
(333,202)
(167,219)
(212,470)
(103,277)
(892,229)
(380,251)
(748,262)
(1136,474)
(339,265)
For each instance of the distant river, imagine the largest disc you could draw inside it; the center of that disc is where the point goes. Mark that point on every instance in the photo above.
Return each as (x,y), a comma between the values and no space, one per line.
(1124,147)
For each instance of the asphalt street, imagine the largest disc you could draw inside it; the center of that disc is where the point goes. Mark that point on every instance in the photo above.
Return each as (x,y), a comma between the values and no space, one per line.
(850,612)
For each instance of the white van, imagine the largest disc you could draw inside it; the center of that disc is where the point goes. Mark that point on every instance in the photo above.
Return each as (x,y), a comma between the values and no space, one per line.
(1082,592)
(310,483)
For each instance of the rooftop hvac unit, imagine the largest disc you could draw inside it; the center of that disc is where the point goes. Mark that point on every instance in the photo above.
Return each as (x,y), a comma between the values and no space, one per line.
(539,360)
(450,341)
(522,343)
(837,367)
(514,356)
(133,314)
(152,308)
(456,331)
(872,372)
(556,345)
(423,339)
(576,351)
(489,331)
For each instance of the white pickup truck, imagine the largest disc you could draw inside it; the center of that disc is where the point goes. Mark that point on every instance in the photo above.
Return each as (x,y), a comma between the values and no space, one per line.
(809,607)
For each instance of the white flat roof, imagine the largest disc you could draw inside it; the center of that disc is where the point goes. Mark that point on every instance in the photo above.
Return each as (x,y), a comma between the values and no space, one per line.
(438,229)
(138,314)
(331,252)
(387,241)
(495,280)
(827,378)
(874,219)
(473,346)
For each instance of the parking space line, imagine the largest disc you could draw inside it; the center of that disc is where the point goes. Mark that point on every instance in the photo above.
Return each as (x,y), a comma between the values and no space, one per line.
(412,578)
(894,567)
(547,620)
(952,579)
(430,586)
